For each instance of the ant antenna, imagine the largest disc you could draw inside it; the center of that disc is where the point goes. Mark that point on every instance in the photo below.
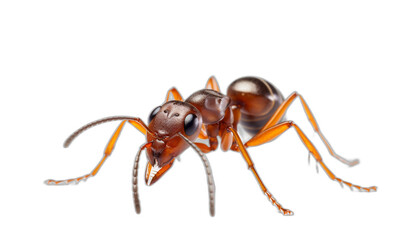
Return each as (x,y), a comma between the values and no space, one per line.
(210,179)
(135,178)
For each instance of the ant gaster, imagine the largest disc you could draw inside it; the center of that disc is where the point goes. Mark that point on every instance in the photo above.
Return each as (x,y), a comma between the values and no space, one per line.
(207,116)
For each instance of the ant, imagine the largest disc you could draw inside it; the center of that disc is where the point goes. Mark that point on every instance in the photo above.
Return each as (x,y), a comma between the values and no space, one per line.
(204,117)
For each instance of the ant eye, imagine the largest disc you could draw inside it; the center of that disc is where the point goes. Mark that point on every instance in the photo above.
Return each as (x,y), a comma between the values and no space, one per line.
(190,124)
(153,113)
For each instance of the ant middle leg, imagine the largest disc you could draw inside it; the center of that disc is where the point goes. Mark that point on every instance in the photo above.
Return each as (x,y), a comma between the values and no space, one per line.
(249,162)
(277,116)
(273,132)
(213,84)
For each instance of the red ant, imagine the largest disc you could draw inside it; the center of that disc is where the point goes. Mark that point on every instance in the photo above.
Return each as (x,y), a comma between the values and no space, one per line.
(207,114)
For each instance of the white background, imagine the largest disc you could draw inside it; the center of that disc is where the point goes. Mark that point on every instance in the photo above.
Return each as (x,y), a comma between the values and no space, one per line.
(66,63)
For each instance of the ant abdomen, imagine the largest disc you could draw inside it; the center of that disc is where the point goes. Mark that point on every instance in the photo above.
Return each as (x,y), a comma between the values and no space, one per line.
(258,100)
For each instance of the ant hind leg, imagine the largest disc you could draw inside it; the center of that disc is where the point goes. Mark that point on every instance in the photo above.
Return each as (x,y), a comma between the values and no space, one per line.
(277,116)
(273,132)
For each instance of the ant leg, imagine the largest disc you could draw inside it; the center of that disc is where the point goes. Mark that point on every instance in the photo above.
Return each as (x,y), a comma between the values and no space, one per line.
(213,144)
(109,148)
(246,156)
(138,126)
(206,149)
(107,152)
(203,147)
(173,94)
(211,134)
(277,116)
(203,132)
(275,131)
(227,140)
(213,84)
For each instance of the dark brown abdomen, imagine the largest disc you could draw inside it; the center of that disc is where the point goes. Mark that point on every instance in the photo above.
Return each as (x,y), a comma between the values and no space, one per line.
(258,100)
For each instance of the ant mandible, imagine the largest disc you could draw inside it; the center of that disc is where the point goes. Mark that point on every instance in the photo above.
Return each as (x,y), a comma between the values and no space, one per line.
(207,115)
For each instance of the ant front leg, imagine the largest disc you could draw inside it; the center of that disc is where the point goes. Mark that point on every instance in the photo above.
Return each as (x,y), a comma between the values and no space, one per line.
(246,157)
(275,131)
(136,122)
(173,94)
(212,131)
(277,116)
(213,142)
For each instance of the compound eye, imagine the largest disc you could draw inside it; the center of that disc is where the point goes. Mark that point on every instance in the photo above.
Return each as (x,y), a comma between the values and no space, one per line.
(190,124)
(153,113)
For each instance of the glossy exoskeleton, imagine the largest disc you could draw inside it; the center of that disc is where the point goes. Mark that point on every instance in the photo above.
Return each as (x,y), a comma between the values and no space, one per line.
(206,117)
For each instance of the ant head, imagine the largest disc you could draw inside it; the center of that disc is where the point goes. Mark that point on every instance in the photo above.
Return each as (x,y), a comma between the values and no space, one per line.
(166,122)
